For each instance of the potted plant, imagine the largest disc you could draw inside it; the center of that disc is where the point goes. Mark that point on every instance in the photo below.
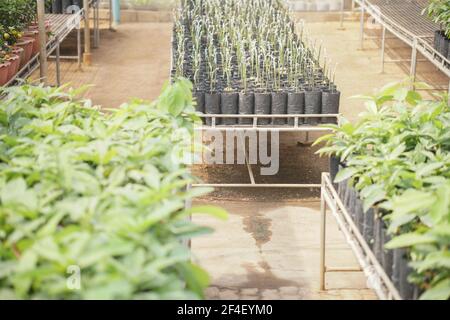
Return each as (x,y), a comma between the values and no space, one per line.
(279,97)
(263,99)
(331,98)
(212,97)
(439,12)
(14,61)
(313,95)
(229,98)
(296,95)
(246,98)
(404,190)
(199,91)
(4,69)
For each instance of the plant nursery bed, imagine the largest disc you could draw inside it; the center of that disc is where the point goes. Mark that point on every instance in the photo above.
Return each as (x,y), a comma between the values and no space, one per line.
(392,177)
(246,58)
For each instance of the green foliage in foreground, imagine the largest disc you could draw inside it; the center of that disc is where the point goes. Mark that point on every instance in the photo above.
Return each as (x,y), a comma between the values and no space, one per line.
(398,157)
(102,192)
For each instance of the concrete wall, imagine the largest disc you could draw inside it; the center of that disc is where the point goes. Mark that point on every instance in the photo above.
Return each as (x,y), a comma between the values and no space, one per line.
(297,5)
(319,5)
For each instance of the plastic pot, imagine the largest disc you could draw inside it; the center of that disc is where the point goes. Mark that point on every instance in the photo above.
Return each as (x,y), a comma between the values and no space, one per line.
(199,99)
(212,106)
(400,273)
(57,6)
(359,213)
(443,45)
(341,190)
(246,106)
(279,106)
(387,255)
(229,105)
(262,106)
(437,39)
(448,51)
(368,228)
(4,68)
(313,104)
(334,169)
(330,105)
(350,203)
(346,197)
(296,105)
(378,244)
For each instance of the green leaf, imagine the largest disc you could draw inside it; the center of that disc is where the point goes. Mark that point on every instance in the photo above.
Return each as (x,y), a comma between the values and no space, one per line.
(345,174)
(196,278)
(409,240)
(440,291)
(210,211)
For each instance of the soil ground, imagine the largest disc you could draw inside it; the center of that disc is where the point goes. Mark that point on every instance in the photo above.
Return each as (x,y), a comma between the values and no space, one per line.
(269,246)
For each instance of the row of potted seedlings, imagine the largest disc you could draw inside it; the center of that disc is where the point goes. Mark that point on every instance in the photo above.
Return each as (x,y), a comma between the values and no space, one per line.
(392,172)
(19,37)
(375,232)
(246,57)
(439,12)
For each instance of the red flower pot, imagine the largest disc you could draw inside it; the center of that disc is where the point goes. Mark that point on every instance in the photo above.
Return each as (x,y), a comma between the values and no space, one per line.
(21,53)
(33,34)
(14,66)
(27,45)
(4,68)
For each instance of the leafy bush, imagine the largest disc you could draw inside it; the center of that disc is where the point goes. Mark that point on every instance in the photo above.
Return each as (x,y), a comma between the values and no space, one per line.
(439,12)
(398,157)
(17,13)
(101,192)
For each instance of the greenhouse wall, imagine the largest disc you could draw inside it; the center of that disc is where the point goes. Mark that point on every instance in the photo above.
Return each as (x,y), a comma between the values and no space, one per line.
(296,5)
(318,5)
(144,4)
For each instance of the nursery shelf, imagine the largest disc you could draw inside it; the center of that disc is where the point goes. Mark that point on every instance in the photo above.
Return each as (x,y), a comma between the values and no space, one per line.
(61,26)
(377,277)
(296,127)
(405,21)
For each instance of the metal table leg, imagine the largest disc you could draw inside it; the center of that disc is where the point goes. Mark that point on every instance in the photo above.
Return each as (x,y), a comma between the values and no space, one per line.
(58,61)
(323,222)
(79,46)
(342,15)
(383,47)
(363,5)
(413,69)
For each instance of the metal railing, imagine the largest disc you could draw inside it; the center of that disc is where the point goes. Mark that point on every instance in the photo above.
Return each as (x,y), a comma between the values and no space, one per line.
(419,35)
(62,26)
(377,277)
